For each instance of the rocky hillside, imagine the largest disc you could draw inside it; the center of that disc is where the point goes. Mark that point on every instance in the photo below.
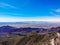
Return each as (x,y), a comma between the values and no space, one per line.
(29,36)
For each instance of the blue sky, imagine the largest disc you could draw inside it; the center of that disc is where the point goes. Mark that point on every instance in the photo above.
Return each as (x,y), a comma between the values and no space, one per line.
(29,10)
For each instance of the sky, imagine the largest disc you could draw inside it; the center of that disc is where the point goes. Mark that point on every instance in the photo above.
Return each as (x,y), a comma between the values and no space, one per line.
(29,10)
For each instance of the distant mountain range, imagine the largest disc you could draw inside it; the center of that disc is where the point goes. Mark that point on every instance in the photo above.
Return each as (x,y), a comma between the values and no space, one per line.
(13,29)
(32,24)
(27,29)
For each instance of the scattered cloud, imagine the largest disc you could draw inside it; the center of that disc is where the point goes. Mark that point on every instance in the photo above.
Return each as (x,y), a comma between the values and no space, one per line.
(54,14)
(5,5)
(10,14)
(57,10)
(51,13)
